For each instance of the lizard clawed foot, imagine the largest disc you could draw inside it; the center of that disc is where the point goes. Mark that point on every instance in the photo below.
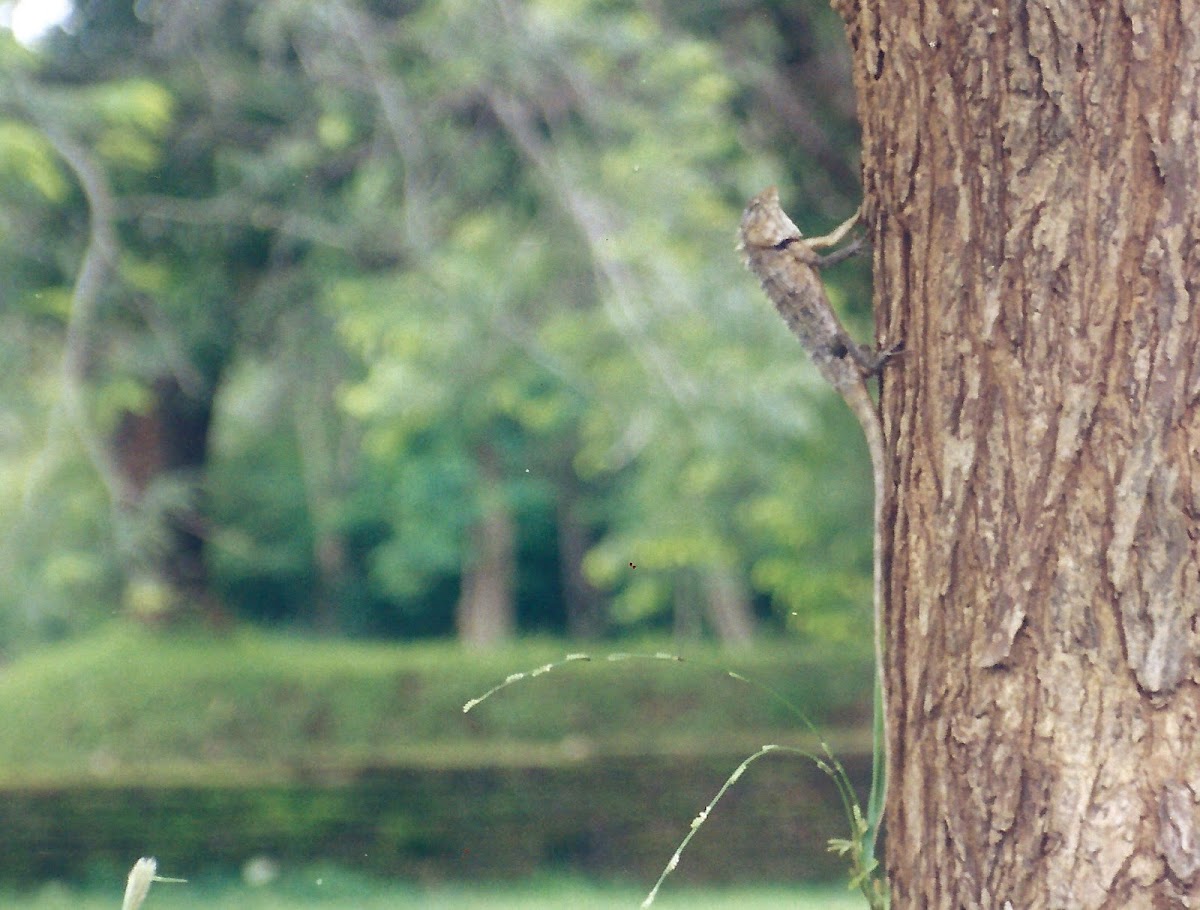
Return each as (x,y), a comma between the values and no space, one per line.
(884,356)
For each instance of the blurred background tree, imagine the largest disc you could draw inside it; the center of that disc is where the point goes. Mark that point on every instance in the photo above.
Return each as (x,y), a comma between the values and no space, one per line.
(420,318)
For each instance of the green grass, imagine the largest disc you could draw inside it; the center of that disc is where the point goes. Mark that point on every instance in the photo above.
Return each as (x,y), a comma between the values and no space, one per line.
(338,890)
(129,707)
(132,704)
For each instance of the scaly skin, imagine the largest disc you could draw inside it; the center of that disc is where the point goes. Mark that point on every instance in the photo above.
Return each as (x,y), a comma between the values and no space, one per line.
(788,267)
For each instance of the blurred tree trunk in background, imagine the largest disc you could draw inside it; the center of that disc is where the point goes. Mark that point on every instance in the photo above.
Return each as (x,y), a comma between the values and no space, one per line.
(327,448)
(584,605)
(486,611)
(160,451)
(1030,175)
(729,609)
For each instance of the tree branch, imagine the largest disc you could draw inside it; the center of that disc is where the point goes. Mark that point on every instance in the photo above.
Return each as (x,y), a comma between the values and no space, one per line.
(99,259)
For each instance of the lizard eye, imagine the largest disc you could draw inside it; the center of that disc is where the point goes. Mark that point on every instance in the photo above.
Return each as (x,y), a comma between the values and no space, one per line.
(839,350)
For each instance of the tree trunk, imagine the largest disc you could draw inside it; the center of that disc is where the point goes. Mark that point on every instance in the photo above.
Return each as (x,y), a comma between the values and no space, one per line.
(584,604)
(331,560)
(729,609)
(1031,174)
(486,612)
(687,617)
(167,443)
(326,446)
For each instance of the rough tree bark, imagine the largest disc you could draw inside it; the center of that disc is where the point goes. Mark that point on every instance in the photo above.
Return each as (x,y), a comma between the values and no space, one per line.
(1031,174)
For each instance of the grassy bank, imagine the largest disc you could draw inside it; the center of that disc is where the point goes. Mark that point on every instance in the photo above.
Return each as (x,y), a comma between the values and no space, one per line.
(133,704)
(207,750)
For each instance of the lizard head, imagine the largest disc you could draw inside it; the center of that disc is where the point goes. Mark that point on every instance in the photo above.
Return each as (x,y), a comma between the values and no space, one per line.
(764,223)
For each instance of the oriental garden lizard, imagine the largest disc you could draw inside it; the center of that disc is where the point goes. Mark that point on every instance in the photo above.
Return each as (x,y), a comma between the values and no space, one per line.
(788,267)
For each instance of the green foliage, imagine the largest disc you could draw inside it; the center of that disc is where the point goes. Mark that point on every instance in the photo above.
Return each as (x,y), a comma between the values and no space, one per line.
(384,245)
(132,117)
(26,157)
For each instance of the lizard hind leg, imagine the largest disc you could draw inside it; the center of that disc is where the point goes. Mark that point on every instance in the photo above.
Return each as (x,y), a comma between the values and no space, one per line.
(853,248)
